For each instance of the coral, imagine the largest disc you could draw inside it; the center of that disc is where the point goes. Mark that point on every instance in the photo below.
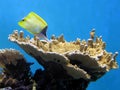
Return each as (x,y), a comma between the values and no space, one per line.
(16,71)
(86,59)
(68,65)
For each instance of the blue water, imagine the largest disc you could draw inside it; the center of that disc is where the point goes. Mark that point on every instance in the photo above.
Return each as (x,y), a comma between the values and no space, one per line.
(73,18)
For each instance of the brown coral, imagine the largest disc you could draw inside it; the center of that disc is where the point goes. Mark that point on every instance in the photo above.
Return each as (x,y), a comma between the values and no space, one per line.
(16,71)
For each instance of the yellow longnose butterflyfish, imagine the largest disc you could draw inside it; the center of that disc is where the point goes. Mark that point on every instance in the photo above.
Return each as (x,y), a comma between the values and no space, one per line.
(34,24)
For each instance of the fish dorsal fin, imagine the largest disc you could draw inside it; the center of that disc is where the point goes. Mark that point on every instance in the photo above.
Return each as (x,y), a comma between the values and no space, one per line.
(44,31)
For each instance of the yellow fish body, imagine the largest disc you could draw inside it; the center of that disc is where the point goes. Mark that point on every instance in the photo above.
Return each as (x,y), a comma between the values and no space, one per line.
(34,24)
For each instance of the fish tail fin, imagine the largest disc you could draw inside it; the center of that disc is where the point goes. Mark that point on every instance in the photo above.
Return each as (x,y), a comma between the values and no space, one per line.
(42,36)
(44,31)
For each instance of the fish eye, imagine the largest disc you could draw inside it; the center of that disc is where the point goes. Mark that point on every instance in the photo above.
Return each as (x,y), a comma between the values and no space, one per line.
(23,19)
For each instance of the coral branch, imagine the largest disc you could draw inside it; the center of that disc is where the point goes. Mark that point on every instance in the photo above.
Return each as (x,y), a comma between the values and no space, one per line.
(16,71)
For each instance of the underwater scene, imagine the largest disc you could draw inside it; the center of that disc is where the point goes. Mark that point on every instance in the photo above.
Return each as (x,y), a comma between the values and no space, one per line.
(59,45)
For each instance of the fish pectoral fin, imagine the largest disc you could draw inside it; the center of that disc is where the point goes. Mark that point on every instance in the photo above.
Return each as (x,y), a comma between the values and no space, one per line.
(44,31)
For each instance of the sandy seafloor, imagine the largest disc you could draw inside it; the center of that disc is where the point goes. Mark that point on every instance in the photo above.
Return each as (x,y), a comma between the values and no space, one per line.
(74,19)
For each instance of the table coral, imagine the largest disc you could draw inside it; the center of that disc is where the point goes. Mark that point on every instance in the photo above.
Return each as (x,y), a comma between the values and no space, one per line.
(83,58)
(80,59)
(68,65)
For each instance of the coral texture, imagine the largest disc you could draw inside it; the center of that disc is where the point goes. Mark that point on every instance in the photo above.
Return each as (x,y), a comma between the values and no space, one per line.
(80,59)
(68,65)
(16,71)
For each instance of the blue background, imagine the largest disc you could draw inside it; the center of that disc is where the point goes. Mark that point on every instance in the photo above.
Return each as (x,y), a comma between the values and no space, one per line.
(73,18)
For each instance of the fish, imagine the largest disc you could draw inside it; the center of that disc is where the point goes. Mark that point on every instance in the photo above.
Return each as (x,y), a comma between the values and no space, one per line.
(35,25)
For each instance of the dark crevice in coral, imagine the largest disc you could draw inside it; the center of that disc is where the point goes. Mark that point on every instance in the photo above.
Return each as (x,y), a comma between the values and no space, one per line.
(17,75)
(45,81)
(94,75)
(57,70)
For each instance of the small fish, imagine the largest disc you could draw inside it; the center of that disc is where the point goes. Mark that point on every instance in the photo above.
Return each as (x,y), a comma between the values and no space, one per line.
(34,24)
